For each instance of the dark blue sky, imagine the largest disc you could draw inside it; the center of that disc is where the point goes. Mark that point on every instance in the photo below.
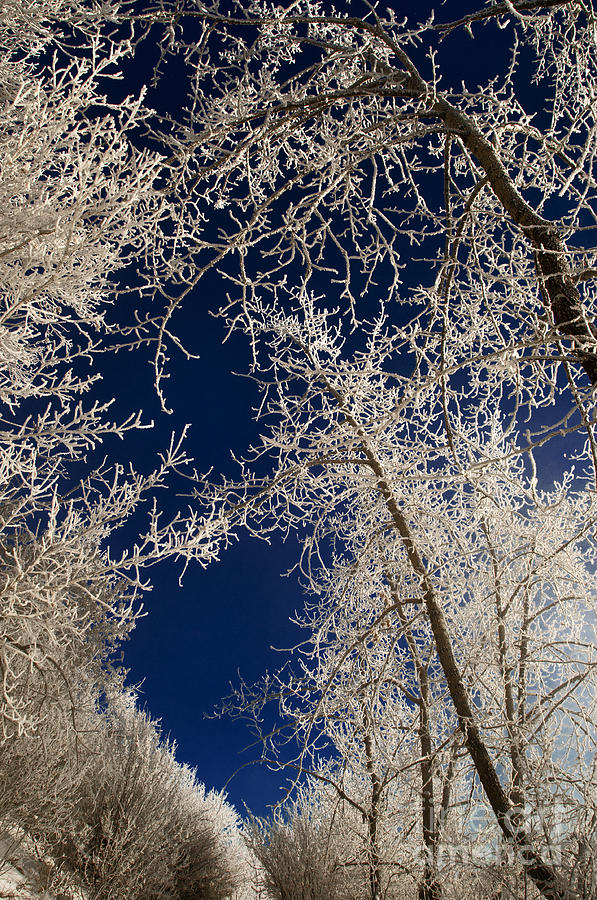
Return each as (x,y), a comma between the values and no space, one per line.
(226,619)
(197,637)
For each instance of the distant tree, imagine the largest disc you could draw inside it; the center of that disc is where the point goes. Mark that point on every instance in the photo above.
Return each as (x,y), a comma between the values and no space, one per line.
(353,696)
(302,853)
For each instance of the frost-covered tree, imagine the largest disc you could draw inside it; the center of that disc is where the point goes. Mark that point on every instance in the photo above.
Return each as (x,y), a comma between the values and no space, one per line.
(513,570)
(406,408)
(96,790)
(491,574)
(80,207)
(140,825)
(303,853)
(333,148)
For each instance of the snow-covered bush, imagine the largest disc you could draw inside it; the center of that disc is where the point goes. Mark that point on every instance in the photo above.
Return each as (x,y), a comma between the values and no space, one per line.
(139,826)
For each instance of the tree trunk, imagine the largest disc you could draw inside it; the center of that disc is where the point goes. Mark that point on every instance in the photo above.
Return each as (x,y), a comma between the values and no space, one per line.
(373,861)
(508,817)
(429,889)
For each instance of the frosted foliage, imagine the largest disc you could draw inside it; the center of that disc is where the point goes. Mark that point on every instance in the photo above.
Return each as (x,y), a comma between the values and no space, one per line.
(121,818)
(411,263)
(391,519)
(404,426)
(79,205)
(335,175)
(73,196)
